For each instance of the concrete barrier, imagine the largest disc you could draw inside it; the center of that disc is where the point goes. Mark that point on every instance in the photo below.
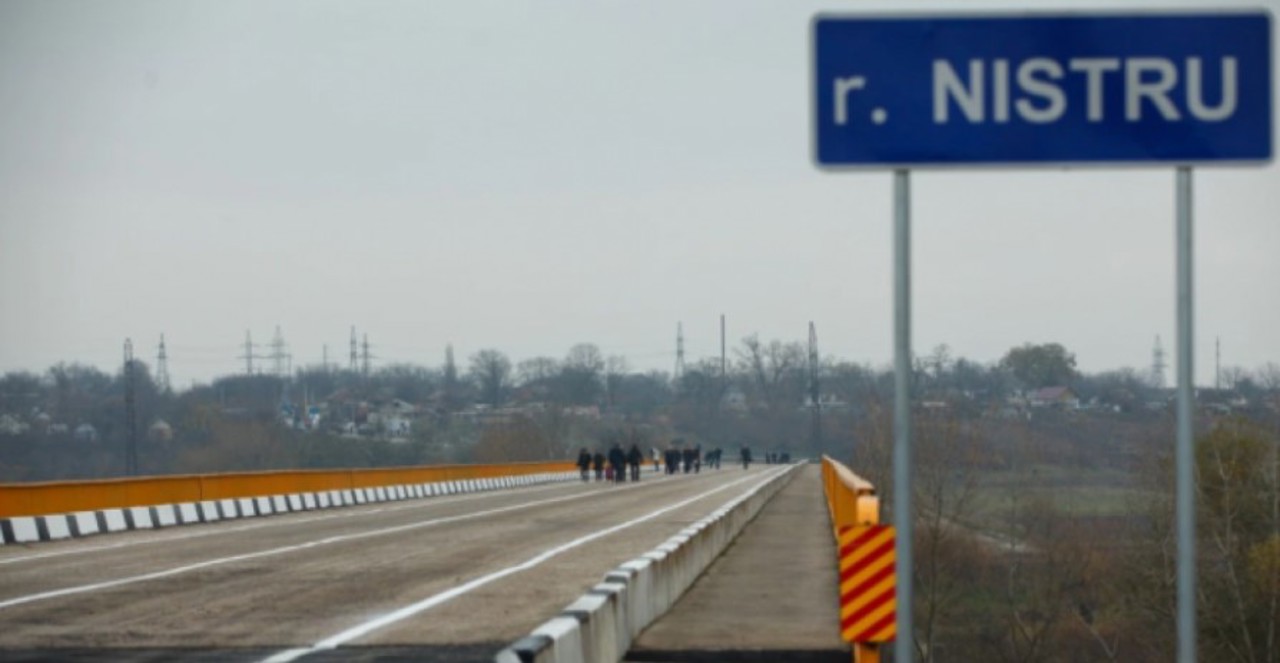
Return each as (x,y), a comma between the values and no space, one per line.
(600,625)
(47,498)
(85,522)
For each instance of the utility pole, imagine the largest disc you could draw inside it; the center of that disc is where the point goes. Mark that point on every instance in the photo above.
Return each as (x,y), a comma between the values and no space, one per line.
(815,395)
(248,353)
(679,353)
(723,363)
(724,385)
(1217,363)
(352,365)
(130,412)
(1157,365)
(162,368)
(281,361)
(364,365)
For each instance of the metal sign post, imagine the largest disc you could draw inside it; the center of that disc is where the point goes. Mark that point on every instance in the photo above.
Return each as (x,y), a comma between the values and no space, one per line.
(1185,480)
(903,646)
(1175,89)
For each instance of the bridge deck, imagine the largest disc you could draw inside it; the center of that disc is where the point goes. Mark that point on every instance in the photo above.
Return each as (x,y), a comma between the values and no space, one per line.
(772,595)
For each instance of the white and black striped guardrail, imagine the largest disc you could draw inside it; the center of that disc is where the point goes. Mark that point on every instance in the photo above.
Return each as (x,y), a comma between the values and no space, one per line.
(31,529)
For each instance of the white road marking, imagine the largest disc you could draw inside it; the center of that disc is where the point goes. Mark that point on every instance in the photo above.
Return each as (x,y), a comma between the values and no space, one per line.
(274,522)
(365,628)
(81,589)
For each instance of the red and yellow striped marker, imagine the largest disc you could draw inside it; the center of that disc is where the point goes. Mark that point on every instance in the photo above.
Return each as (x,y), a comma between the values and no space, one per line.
(868,584)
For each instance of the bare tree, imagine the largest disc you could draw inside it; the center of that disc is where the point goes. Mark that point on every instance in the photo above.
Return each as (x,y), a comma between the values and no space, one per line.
(615,371)
(536,378)
(1240,579)
(491,371)
(1232,376)
(537,369)
(776,371)
(946,455)
(581,374)
(1268,376)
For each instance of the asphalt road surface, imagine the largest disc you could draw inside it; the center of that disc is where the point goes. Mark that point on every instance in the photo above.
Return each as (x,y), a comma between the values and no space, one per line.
(445,578)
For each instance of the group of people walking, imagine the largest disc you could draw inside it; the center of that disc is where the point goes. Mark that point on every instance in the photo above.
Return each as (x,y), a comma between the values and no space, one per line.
(618,464)
(690,458)
(614,467)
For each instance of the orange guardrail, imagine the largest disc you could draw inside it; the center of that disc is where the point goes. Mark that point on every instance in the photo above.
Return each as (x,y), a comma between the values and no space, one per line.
(865,560)
(851,500)
(40,499)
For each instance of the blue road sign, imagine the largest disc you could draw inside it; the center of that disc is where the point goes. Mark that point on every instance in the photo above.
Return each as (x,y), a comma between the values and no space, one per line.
(1071,89)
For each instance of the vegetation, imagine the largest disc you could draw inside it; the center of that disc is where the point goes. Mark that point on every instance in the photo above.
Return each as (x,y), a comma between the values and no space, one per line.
(1044,527)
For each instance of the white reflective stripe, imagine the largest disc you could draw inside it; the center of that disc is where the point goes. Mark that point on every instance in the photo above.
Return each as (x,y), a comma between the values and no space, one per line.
(166,515)
(141,517)
(209,510)
(57,527)
(187,513)
(86,522)
(24,529)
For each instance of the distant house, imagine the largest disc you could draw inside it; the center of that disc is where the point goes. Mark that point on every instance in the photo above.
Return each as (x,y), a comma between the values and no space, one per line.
(1060,397)
(827,401)
(1221,401)
(734,400)
(86,433)
(9,425)
(583,411)
(160,431)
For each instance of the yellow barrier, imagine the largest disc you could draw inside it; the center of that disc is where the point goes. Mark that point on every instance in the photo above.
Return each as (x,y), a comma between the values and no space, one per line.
(852,503)
(40,499)
(851,500)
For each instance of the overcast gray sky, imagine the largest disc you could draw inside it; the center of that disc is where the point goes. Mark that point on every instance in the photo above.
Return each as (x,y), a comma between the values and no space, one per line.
(527,176)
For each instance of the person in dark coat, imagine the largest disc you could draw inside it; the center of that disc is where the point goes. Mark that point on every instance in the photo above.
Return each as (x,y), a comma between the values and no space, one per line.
(634,458)
(617,462)
(746,457)
(584,463)
(672,457)
(597,462)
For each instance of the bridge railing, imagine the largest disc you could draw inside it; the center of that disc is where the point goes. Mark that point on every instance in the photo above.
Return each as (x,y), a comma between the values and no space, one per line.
(851,500)
(55,497)
(865,596)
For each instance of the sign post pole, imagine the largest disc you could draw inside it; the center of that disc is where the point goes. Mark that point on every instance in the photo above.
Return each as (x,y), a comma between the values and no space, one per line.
(904,644)
(1185,452)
